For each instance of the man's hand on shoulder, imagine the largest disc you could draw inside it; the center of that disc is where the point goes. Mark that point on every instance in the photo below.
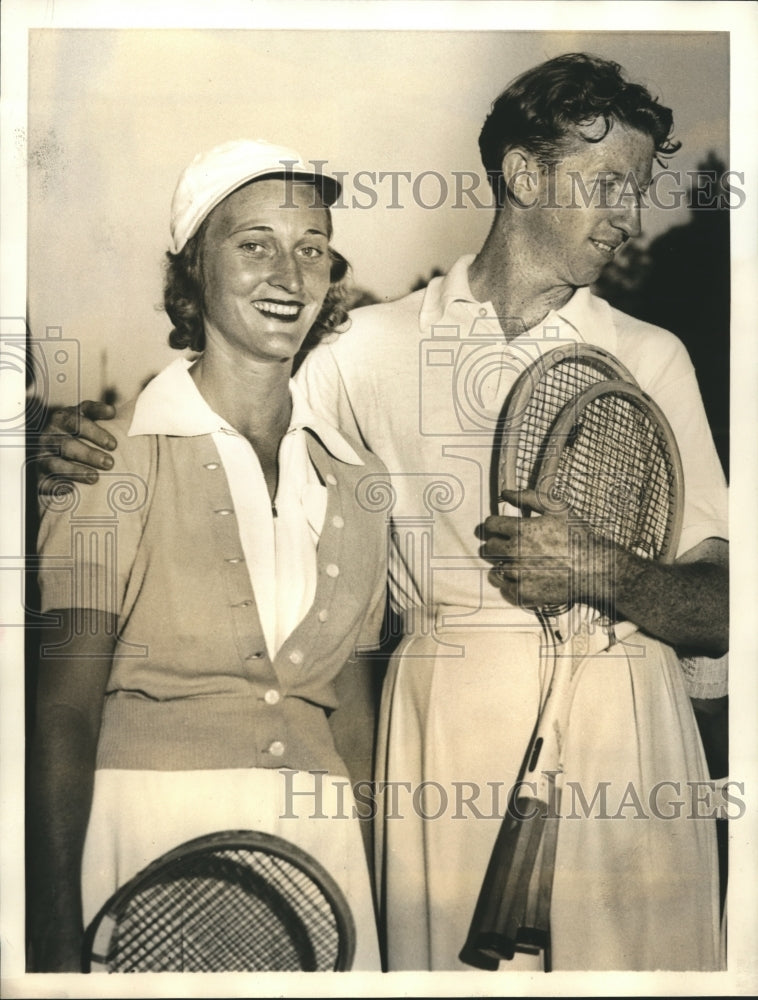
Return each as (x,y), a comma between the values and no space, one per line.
(73,447)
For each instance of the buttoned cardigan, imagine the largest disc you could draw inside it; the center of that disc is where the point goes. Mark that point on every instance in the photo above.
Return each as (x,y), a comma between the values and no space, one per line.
(192,685)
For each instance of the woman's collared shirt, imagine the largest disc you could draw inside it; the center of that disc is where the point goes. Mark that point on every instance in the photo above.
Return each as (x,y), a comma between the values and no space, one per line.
(158,542)
(280,551)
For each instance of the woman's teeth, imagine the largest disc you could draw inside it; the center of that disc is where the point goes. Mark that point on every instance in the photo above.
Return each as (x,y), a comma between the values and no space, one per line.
(278,308)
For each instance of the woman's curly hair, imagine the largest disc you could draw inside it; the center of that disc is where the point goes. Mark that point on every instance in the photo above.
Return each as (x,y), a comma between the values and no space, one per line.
(544,109)
(183,297)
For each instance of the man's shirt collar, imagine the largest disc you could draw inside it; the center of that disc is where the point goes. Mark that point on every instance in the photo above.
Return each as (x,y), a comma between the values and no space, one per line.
(583,317)
(443,291)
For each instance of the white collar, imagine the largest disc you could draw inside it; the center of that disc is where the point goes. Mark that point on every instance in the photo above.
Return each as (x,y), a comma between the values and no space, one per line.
(171,404)
(589,316)
(442,292)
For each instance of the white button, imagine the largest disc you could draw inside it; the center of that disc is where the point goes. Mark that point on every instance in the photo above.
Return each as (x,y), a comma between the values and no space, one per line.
(332,570)
(255,656)
(211,466)
(330,479)
(235,560)
(296,656)
(276,748)
(271,697)
(323,615)
(224,511)
(482,311)
(338,522)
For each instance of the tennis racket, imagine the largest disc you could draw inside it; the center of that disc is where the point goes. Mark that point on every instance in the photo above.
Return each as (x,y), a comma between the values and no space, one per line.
(234,901)
(539,395)
(610,458)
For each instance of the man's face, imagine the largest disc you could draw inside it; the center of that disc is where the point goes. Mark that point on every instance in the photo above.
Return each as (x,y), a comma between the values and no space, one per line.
(587,206)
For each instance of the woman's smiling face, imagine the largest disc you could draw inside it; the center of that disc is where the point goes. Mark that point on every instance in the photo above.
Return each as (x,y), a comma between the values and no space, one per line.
(266,268)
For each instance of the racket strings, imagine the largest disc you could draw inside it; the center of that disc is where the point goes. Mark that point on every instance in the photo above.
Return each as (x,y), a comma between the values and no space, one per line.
(534,417)
(213,930)
(230,910)
(148,935)
(615,473)
(527,443)
(215,935)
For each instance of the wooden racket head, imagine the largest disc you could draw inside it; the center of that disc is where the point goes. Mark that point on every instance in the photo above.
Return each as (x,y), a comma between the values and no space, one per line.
(538,395)
(233,901)
(612,460)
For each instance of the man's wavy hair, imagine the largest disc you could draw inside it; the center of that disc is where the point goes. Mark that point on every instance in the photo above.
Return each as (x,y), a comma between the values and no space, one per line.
(544,110)
(183,296)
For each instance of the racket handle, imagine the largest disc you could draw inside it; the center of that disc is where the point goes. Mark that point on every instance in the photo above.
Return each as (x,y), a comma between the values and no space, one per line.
(513,910)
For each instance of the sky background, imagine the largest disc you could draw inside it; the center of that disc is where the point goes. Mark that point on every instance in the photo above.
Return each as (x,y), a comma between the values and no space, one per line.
(115,115)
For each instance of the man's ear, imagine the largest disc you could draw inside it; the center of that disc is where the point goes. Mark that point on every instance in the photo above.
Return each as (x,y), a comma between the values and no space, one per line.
(521,176)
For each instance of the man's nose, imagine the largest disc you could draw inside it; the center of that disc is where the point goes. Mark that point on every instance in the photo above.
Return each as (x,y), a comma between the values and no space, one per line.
(627,217)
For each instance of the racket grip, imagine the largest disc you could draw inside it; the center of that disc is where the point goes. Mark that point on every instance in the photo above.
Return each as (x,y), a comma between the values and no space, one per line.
(513,909)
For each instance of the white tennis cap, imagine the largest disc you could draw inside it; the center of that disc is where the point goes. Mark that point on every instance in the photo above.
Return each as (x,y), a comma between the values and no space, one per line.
(213,175)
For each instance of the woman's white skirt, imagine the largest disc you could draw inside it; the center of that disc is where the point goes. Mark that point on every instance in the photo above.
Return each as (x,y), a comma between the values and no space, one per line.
(137,816)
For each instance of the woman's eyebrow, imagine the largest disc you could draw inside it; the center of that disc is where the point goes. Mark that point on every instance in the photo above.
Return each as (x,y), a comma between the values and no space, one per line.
(255,227)
(246,226)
